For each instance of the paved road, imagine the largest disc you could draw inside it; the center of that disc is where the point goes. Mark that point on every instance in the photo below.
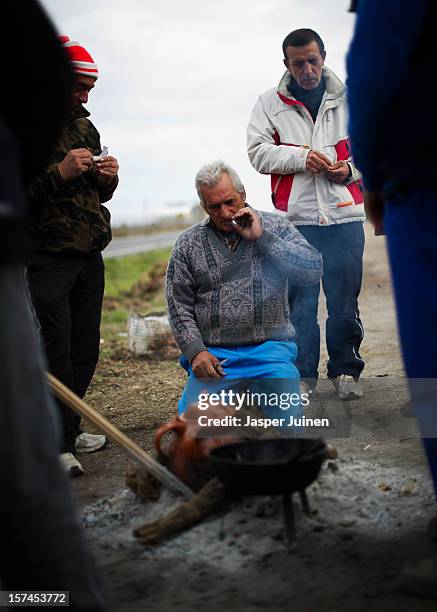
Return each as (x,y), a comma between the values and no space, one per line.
(128,245)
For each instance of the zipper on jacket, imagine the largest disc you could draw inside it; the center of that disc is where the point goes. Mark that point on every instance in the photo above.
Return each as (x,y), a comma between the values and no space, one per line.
(305,113)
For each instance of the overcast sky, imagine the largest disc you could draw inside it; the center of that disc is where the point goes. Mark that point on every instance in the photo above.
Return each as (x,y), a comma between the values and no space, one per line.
(178,80)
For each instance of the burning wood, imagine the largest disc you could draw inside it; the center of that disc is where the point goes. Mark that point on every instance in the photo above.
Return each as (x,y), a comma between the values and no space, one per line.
(270,466)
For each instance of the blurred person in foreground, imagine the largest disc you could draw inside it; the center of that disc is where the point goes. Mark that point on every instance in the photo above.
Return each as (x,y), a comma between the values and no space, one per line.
(389,79)
(42,547)
(69,227)
(297,133)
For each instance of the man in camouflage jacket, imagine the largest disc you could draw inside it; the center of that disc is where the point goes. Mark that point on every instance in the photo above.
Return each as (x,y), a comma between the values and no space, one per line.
(68,216)
(69,228)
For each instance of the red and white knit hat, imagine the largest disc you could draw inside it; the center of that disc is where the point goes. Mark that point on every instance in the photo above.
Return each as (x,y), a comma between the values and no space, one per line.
(82,61)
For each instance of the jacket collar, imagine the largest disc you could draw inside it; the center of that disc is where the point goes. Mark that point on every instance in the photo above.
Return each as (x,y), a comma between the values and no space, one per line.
(335,88)
(78,112)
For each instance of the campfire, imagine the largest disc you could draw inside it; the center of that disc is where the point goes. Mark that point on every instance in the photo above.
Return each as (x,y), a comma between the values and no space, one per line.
(223,469)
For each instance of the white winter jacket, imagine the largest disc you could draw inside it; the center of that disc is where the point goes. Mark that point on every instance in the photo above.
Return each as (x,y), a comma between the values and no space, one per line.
(281,133)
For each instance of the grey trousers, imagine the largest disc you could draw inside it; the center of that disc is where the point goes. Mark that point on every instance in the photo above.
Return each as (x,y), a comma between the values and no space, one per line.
(41,545)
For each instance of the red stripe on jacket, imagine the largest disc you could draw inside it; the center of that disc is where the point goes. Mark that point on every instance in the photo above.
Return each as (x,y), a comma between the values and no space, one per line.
(281,183)
(290,101)
(356,190)
(343,150)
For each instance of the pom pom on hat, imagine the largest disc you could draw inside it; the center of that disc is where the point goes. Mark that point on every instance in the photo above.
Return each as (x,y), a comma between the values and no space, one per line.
(81,60)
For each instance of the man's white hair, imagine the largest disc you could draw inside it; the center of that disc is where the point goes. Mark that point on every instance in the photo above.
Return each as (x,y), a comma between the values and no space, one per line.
(210,174)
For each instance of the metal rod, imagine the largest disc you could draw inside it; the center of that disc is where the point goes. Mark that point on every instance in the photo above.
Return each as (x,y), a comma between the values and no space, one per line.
(305,503)
(222,533)
(290,526)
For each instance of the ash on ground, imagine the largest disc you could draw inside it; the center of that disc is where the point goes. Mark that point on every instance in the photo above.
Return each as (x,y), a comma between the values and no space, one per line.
(364,522)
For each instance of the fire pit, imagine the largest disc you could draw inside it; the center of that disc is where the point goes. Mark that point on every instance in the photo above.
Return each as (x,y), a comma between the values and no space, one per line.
(270,467)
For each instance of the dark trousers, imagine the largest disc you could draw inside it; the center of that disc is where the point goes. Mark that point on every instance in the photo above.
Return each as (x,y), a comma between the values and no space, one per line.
(410,222)
(42,546)
(67,295)
(342,249)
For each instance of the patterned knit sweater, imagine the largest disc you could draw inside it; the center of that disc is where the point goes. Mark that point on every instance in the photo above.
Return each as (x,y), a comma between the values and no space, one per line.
(216,296)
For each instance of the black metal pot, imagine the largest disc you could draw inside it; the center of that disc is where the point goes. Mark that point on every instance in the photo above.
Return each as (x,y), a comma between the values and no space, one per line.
(268,467)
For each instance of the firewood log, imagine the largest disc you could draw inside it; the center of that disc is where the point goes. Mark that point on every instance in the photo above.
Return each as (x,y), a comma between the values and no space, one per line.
(143,484)
(209,499)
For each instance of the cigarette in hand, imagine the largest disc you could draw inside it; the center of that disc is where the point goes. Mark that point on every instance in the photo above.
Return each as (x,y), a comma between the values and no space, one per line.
(102,155)
(220,363)
(242,221)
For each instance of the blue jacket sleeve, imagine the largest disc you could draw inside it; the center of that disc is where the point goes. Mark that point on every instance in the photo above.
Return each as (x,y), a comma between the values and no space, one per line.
(386,34)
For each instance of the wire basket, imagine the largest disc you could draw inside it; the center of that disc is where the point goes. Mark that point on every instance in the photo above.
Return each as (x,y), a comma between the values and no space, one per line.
(150,336)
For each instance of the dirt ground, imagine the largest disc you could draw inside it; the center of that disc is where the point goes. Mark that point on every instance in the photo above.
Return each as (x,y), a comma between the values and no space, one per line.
(370,508)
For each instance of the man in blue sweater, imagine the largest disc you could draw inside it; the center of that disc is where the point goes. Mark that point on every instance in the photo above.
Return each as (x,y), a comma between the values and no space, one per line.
(390,81)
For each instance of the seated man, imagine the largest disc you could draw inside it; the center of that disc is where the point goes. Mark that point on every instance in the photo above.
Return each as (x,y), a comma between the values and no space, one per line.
(227,287)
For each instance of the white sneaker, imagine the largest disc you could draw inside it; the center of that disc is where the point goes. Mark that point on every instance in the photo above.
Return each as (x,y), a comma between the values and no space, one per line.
(88,443)
(347,387)
(71,465)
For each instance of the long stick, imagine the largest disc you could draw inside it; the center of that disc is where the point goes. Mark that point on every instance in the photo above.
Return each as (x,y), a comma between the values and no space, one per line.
(136,452)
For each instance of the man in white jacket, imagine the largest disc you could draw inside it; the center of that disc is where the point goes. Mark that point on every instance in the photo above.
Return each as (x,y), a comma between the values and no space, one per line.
(298,134)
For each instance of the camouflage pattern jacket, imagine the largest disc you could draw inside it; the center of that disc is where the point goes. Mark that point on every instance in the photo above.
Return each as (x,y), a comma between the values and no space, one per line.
(67,216)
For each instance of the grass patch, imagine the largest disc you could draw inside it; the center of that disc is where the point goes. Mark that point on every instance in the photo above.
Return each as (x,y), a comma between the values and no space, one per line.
(123,272)
(114,321)
(133,283)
